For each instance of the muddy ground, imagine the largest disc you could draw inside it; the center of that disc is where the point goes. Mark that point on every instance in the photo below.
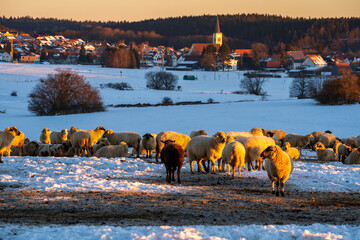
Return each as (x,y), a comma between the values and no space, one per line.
(220,201)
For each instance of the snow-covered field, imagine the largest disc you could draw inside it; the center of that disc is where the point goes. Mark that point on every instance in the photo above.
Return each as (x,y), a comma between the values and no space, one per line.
(234,113)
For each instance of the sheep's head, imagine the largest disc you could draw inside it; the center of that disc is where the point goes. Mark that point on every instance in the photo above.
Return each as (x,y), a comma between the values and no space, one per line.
(101,128)
(45,131)
(287,145)
(108,132)
(270,152)
(230,139)
(32,148)
(105,141)
(256,132)
(220,137)
(73,129)
(202,132)
(148,136)
(319,146)
(328,131)
(64,132)
(167,141)
(13,131)
(270,134)
(26,140)
(264,131)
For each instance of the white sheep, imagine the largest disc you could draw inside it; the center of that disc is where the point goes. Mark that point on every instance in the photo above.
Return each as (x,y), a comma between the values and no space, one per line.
(132,139)
(353,158)
(327,139)
(179,138)
(253,148)
(278,165)
(256,132)
(17,143)
(45,136)
(343,151)
(148,143)
(197,133)
(81,142)
(280,134)
(293,152)
(233,155)
(324,154)
(6,138)
(57,137)
(101,143)
(113,151)
(299,141)
(205,147)
(238,134)
(350,141)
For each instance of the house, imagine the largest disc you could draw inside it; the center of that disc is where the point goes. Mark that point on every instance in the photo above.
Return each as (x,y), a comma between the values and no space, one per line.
(314,60)
(242,52)
(24,37)
(296,58)
(30,58)
(273,66)
(197,48)
(341,68)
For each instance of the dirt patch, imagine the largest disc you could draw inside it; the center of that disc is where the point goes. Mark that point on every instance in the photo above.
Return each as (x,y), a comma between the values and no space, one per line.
(219,201)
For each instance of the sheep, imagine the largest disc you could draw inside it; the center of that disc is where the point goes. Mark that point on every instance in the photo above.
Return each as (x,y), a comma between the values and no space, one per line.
(280,134)
(336,145)
(81,142)
(324,154)
(357,141)
(233,155)
(197,133)
(205,147)
(253,148)
(256,132)
(17,143)
(96,134)
(273,136)
(327,139)
(56,150)
(172,155)
(132,139)
(238,134)
(101,143)
(350,141)
(279,165)
(113,151)
(293,152)
(298,141)
(57,137)
(353,158)
(316,135)
(179,138)
(72,130)
(6,138)
(343,151)
(148,143)
(45,136)
(31,148)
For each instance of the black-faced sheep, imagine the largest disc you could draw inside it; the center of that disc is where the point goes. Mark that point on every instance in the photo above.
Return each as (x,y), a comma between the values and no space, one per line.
(205,147)
(45,136)
(6,138)
(113,151)
(353,158)
(57,137)
(278,166)
(299,141)
(148,142)
(172,155)
(179,138)
(233,155)
(132,139)
(324,154)
(197,133)
(253,148)
(293,152)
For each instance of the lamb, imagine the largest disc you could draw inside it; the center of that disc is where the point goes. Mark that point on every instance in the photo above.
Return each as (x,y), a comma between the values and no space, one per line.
(132,139)
(233,155)
(57,137)
(197,133)
(279,165)
(56,150)
(256,132)
(299,141)
(18,143)
(343,151)
(6,138)
(113,151)
(45,136)
(205,147)
(357,141)
(253,148)
(324,154)
(172,155)
(148,143)
(179,138)
(293,152)
(81,142)
(327,139)
(353,158)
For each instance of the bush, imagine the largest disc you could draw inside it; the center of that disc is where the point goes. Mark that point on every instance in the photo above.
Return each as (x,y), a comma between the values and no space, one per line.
(167,101)
(13,93)
(123,86)
(161,80)
(343,90)
(64,92)
(253,85)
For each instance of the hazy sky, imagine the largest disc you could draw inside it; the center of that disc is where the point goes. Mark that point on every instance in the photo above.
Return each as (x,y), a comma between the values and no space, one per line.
(134,10)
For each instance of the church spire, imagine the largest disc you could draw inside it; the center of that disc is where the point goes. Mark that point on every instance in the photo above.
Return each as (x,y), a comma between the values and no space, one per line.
(217,27)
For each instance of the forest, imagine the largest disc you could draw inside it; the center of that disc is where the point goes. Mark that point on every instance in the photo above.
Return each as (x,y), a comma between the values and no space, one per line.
(240,31)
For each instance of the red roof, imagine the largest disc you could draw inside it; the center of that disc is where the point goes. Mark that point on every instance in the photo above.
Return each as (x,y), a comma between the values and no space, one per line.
(243,51)
(273,65)
(343,67)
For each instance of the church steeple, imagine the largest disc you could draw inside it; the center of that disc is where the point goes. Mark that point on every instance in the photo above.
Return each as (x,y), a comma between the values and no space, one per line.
(217,35)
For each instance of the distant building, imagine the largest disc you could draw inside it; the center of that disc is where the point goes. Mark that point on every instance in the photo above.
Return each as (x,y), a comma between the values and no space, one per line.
(296,58)
(217,35)
(314,60)
(30,58)
(341,68)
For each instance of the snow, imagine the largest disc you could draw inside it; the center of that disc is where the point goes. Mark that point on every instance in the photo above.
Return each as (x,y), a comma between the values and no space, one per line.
(271,232)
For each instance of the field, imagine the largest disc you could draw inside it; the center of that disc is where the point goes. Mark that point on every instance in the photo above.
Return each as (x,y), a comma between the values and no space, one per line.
(129,198)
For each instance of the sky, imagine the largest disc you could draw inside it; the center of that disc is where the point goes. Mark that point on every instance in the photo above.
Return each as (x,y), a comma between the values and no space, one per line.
(115,10)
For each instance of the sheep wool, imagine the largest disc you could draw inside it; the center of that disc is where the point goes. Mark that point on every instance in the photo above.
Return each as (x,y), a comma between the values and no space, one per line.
(113,151)
(233,155)
(324,154)
(179,138)
(253,148)
(6,138)
(353,158)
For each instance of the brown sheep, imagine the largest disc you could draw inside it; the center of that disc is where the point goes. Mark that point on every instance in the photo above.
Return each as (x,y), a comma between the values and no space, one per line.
(172,155)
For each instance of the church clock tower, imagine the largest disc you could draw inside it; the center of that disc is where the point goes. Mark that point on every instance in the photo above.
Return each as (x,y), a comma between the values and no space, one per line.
(217,35)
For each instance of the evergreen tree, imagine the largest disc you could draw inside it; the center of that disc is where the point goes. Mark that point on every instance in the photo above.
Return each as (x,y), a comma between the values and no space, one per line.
(223,54)
(43,55)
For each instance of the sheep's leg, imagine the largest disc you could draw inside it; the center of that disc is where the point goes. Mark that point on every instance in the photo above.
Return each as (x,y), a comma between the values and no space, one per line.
(228,167)
(239,169)
(277,188)
(213,164)
(191,162)
(263,165)
(282,185)
(173,174)
(157,156)
(219,165)
(178,173)
(249,167)
(273,186)
(200,167)
(252,165)
(1,155)
(223,165)
(233,171)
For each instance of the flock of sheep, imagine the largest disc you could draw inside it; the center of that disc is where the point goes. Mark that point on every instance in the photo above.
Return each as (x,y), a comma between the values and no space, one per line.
(234,149)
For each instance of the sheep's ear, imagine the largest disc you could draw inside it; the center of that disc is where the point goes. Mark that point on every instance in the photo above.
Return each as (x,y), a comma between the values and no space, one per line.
(163,141)
(172,141)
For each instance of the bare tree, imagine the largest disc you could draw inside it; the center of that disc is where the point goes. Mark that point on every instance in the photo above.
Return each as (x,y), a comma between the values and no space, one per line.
(253,85)
(161,80)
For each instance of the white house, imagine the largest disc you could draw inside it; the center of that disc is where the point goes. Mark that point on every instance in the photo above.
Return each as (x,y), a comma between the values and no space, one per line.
(314,60)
